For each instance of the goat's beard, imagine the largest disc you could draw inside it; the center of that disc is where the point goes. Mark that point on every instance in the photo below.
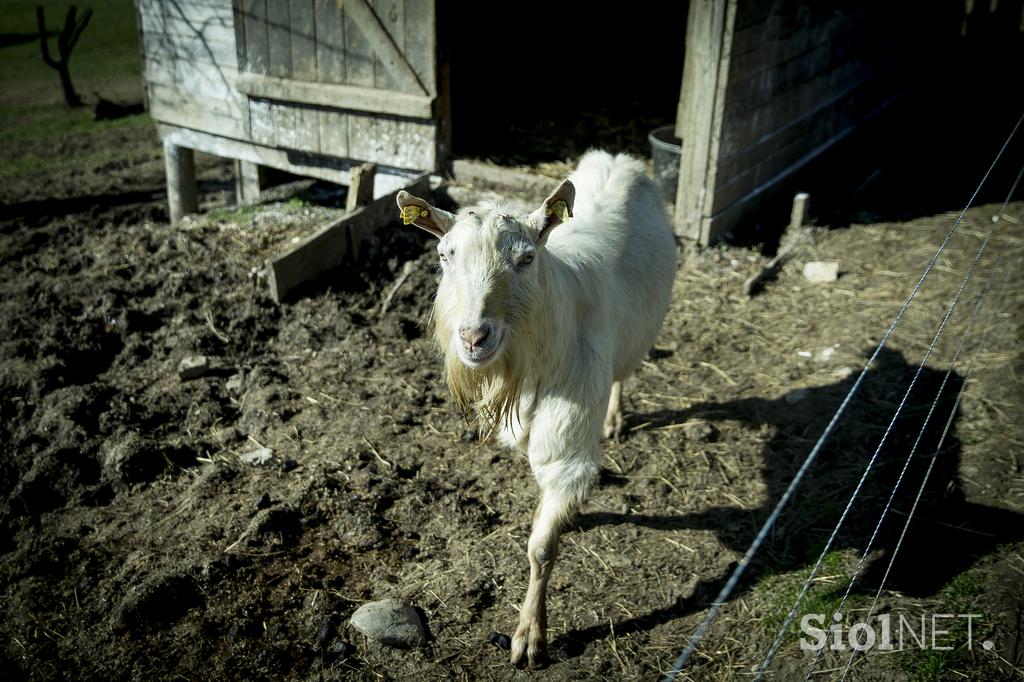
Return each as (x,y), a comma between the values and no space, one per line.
(492,393)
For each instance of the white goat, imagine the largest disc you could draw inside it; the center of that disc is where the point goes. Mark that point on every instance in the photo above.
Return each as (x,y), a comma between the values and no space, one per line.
(539,327)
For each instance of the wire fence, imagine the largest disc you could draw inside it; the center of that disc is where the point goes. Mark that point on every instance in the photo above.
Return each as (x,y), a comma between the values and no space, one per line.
(734,579)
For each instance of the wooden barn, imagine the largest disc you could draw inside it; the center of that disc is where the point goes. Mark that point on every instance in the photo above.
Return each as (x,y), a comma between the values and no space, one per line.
(761,91)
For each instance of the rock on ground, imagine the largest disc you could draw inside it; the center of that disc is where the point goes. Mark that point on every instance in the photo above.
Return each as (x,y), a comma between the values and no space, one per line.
(390,622)
(822,271)
(193,367)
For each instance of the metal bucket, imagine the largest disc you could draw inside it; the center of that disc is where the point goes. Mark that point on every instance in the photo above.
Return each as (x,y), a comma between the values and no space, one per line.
(666,149)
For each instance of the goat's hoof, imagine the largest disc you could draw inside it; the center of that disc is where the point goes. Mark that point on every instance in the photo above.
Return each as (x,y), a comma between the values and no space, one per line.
(528,646)
(613,427)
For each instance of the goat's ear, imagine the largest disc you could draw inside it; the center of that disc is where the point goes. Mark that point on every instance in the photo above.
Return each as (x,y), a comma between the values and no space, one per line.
(417,212)
(555,210)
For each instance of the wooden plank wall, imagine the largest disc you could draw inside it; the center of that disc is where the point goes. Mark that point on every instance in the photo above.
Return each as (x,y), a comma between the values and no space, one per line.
(319,41)
(195,51)
(191,66)
(799,77)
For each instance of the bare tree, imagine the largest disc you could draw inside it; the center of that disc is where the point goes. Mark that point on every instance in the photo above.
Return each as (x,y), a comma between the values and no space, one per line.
(67,38)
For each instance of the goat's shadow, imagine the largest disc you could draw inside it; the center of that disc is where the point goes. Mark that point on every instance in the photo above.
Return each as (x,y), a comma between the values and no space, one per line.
(943,521)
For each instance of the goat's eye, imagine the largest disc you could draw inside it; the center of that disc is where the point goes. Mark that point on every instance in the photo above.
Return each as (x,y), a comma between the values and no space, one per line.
(525,259)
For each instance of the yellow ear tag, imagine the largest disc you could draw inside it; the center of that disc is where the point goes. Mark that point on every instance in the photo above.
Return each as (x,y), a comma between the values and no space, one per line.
(411,214)
(560,209)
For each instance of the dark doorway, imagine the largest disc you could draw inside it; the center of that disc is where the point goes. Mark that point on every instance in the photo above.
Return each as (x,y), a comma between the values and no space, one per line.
(544,81)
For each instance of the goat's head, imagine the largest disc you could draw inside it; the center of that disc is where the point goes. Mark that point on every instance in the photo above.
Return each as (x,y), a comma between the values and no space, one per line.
(490,277)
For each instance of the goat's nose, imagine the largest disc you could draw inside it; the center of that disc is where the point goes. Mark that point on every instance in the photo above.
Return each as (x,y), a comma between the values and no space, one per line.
(474,336)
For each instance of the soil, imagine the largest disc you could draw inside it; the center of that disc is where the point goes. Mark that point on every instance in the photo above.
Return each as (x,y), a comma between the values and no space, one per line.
(135,542)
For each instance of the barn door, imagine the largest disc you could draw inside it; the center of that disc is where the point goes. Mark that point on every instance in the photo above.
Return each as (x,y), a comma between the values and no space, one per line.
(351,79)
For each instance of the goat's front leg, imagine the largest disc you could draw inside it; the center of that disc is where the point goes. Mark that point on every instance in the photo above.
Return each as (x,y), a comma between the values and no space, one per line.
(530,638)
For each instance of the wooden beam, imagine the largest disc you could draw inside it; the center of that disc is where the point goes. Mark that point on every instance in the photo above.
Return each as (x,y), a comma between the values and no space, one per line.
(250,179)
(182,197)
(331,169)
(351,97)
(314,166)
(343,241)
(701,104)
(753,284)
(360,191)
(488,176)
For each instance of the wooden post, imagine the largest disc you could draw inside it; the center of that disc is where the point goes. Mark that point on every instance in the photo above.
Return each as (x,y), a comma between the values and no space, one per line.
(709,31)
(799,213)
(250,179)
(360,190)
(182,196)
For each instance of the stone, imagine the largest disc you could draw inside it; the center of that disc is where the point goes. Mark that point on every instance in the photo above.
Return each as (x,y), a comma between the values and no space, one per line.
(503,642)
(844,372)
(235,384)
(193,367)
(699,432)
(822,271)
(390,622)
(257,457)
(825,354)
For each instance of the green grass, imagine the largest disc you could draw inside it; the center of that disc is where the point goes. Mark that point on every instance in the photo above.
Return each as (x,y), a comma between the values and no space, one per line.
(32,136)
(778,593)
(23,123)
(236,215)
(960,595)
(241,215)
(31,164)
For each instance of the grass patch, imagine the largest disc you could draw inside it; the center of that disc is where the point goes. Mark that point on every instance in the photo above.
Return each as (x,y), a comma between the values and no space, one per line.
(778,593)
(243,215)
(300,201)
(38,137)
(27,165)
(959,596)
(238,215)
(28,123)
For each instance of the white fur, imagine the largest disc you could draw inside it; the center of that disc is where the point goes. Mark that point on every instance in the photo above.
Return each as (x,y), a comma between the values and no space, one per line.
(580,317)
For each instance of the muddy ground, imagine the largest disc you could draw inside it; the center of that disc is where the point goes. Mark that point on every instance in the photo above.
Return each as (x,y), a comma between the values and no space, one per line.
(136,544)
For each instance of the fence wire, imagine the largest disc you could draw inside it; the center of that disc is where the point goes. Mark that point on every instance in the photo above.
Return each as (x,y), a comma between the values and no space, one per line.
(931,410)
(769,523)
(780,635)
